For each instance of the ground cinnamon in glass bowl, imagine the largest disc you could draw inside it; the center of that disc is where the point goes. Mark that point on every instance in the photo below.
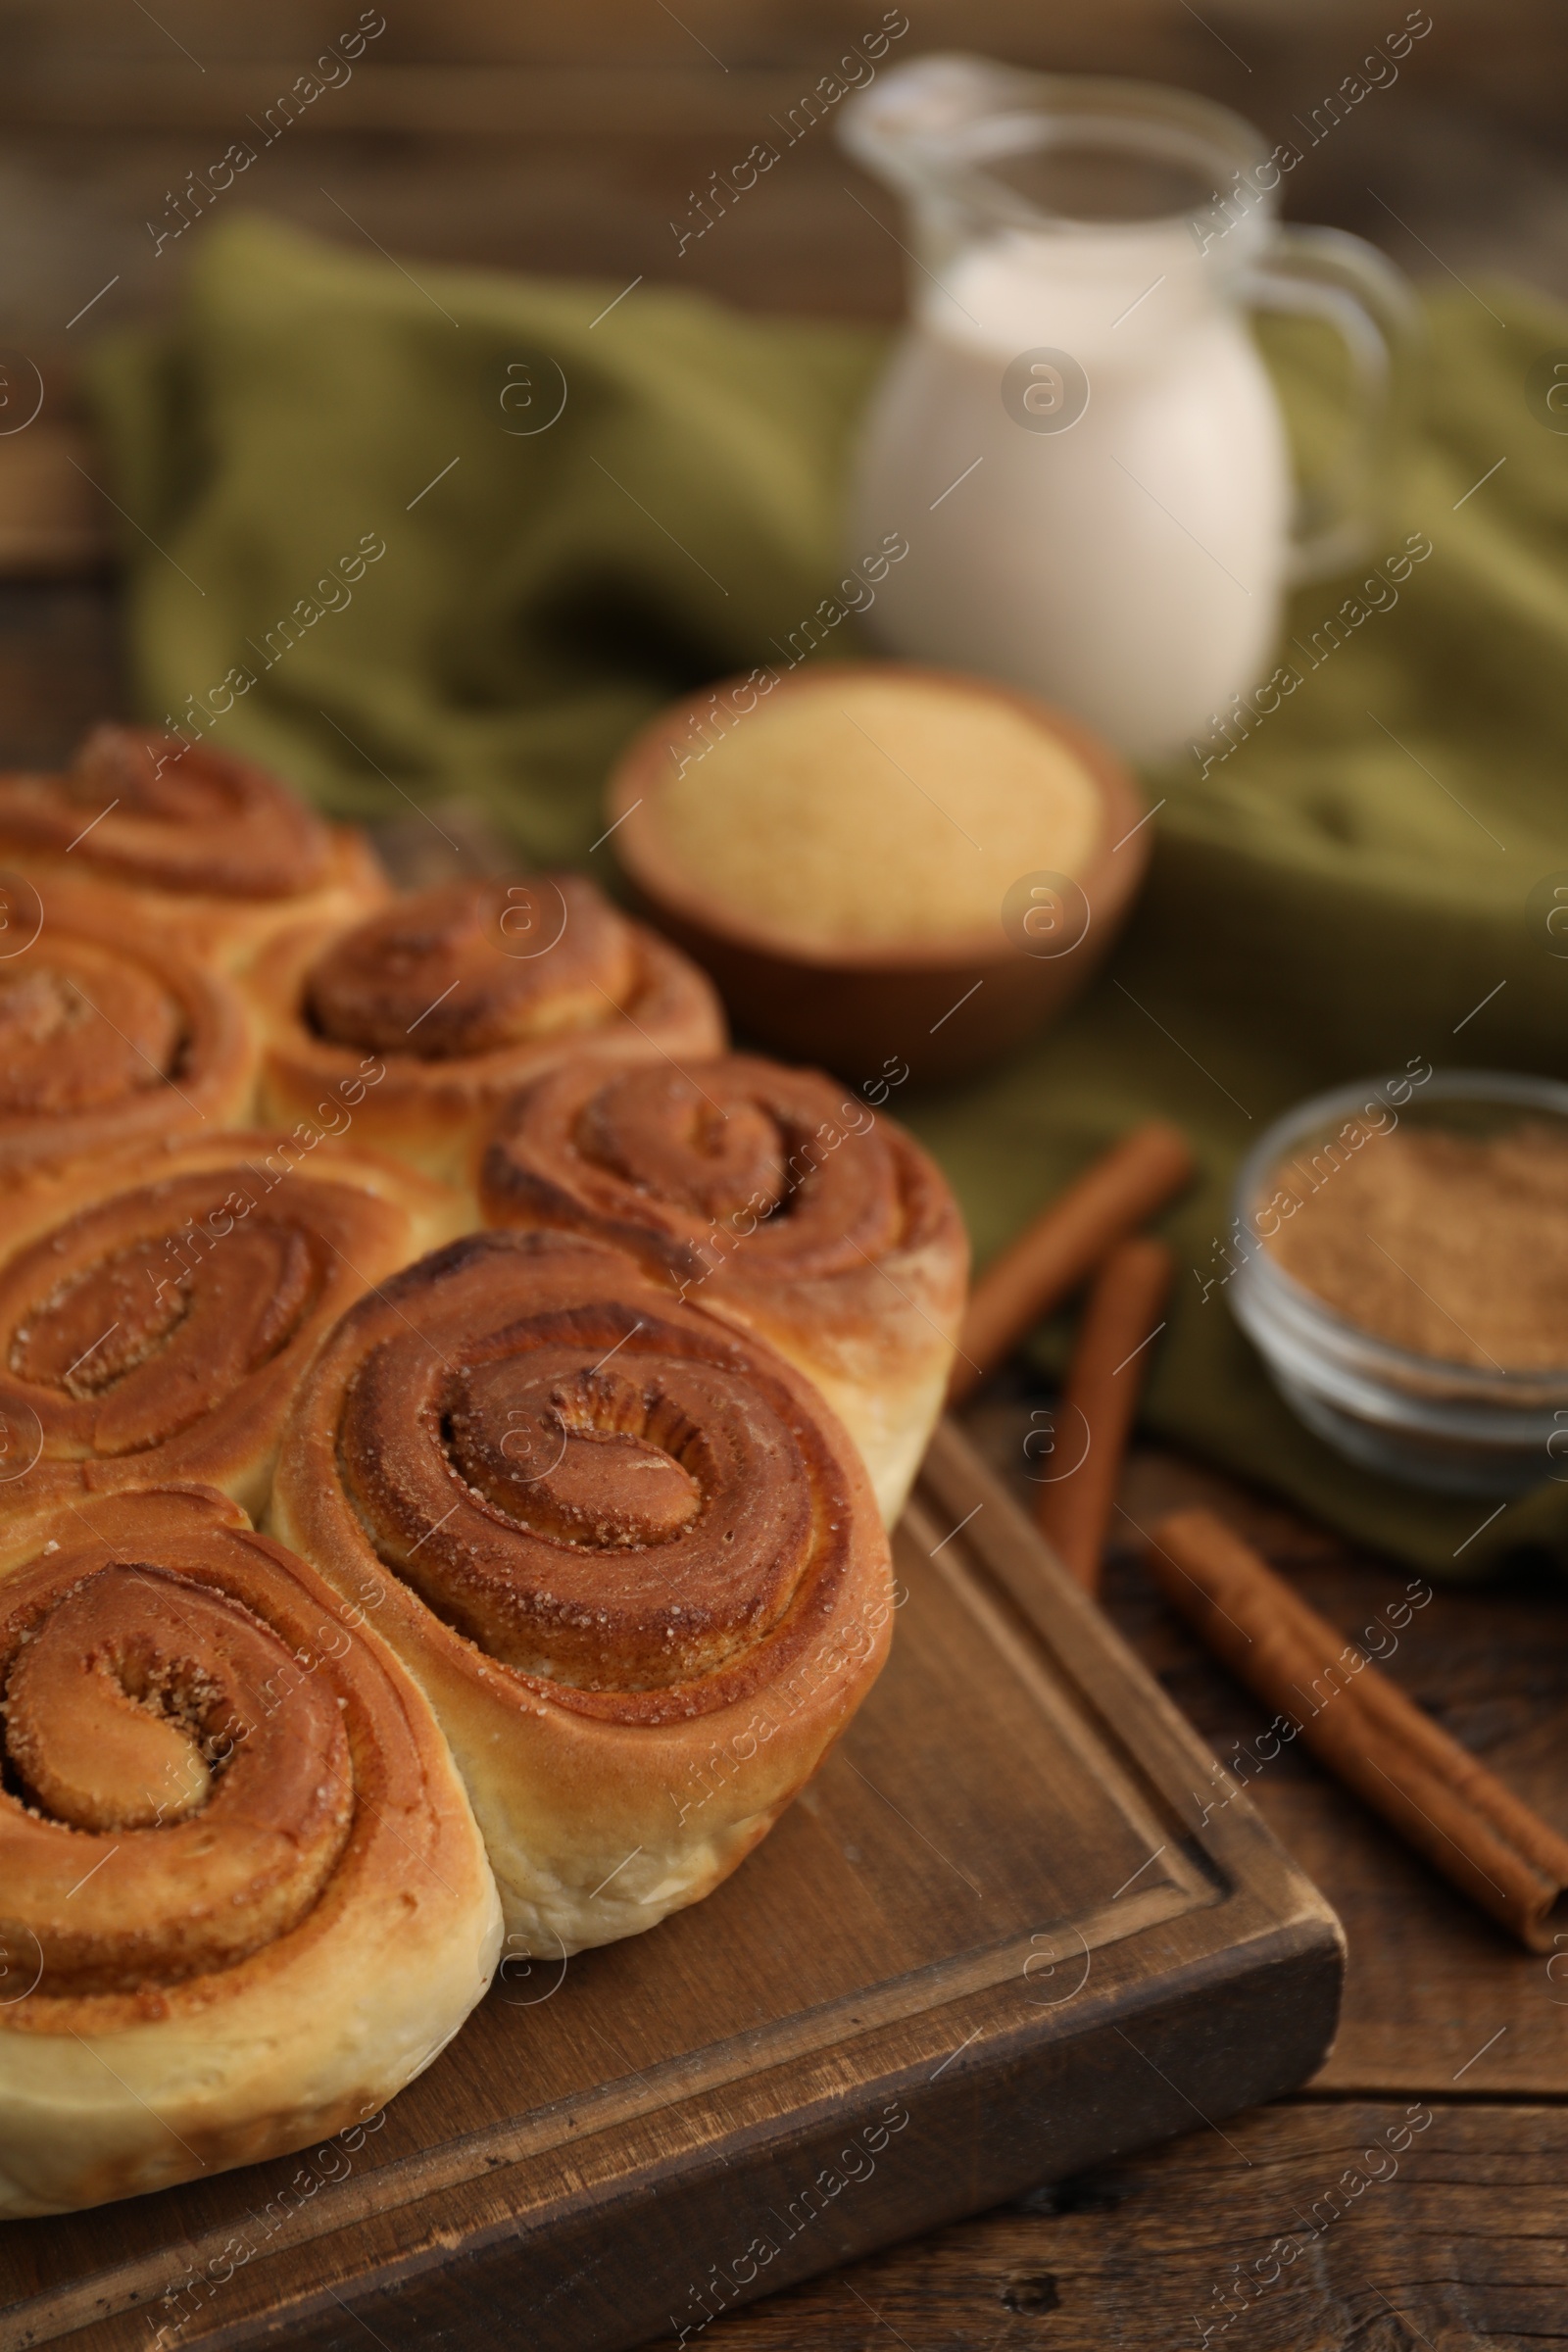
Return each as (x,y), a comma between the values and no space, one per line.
(1401,1265)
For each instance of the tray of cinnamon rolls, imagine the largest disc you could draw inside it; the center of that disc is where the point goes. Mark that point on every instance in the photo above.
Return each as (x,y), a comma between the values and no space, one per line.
(467,1436)
(443,1390)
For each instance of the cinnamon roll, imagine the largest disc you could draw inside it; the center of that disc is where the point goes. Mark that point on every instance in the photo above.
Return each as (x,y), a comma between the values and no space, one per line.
(110,1034)
(632,1560)
(767,1197)
(242,1896)
(211,849)
(158,1329)
(466,992)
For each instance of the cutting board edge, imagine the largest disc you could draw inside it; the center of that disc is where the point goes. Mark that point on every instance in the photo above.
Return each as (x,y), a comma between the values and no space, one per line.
(1292,1980)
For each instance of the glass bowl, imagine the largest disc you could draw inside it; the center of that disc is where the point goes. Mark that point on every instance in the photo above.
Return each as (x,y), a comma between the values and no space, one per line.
(1454,1426)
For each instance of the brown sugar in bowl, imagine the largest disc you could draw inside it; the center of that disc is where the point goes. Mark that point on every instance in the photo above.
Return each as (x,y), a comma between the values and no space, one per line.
(946,1004)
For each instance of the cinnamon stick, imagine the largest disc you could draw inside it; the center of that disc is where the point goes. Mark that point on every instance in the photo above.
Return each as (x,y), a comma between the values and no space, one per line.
(1442,1801)
(1110,1360)
(1065,1244)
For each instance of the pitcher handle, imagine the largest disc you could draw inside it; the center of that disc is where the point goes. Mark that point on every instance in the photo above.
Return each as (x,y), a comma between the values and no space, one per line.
(1326,274)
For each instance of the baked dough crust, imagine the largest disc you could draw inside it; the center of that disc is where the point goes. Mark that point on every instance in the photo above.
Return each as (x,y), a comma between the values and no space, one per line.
(681,1555)
(110,2093)
(209,849)
(112,1034)
(155,1326)
(770,1198)
(466,992)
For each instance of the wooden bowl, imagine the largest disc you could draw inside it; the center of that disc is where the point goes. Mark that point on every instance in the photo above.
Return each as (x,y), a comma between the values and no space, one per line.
(947,1006)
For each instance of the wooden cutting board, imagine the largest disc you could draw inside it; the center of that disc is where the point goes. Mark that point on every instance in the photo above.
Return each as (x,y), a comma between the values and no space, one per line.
(993,1944)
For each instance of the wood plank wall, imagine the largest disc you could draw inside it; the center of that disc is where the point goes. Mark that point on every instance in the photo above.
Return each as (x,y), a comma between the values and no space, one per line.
(568,137)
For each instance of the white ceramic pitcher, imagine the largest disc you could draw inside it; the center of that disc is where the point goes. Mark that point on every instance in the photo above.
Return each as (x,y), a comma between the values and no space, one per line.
(1075,433)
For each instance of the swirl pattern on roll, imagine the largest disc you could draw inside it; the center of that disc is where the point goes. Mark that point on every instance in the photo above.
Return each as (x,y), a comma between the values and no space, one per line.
(220,1806)
(214,841)
(135,1709)
(107,1037)
(469,991)
(772,1199)
(443,975)
(162,811)
(160,1329)
(609,1498)
(590,1517)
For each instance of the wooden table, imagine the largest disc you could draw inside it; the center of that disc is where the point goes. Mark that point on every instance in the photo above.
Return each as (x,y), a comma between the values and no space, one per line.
(1446,2094)
(1462,2243)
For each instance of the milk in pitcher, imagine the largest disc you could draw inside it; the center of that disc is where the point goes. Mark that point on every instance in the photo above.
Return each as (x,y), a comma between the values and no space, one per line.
(1129,562)
(1076,433)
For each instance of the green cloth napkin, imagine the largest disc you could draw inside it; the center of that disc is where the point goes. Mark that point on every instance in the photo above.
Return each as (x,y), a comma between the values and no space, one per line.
(1335,899)
(545,586)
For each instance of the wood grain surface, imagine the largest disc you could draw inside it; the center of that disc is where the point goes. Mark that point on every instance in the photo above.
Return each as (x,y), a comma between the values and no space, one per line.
(983,1948)
(569,138)
(1430,1980)
(1308,2228)
(564,139)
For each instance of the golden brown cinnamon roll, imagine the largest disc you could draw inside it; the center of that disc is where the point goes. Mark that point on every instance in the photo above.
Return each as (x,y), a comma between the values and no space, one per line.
(242,1896)
(152,1330)
(633,1560)
(767,1197)
(466,992)
(111,1034)
(213,850)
